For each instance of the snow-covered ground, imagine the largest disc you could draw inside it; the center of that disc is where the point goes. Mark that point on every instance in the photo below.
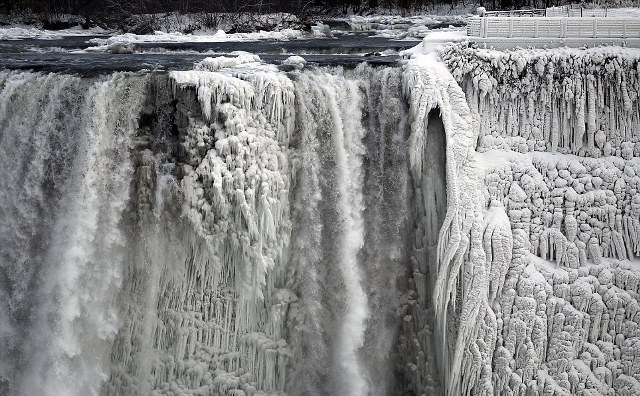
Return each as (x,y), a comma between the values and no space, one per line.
(30,32)
(435,39)
(379,22)
(104,44)
(400,27)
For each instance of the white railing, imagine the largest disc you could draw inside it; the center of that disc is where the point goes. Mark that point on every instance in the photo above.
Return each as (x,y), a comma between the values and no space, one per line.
(567,11)
(514,13)
(563,11)
(473,27)
(554,27)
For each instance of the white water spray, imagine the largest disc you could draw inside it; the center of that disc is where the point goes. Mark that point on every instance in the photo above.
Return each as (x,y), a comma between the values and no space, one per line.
(65,343)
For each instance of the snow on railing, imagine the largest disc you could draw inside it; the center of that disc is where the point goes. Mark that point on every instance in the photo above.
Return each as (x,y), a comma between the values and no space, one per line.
(473,27)
(554,27)
(514,13)
(563,11)
(567,11)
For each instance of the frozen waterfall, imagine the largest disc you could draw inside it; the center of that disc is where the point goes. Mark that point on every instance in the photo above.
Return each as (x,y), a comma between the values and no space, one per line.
(207,231)
(466,224)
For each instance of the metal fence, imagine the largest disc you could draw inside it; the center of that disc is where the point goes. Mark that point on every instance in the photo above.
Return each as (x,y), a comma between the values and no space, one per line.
(567,27)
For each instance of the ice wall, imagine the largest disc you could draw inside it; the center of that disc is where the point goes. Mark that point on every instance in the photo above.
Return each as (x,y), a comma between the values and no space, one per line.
(557,148)
(256,195)
(447,300)
(570,101)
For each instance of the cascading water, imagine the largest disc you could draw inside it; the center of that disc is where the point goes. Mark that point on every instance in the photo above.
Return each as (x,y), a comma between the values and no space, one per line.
(248,229)
(65,184)
(229,230)
(337,127)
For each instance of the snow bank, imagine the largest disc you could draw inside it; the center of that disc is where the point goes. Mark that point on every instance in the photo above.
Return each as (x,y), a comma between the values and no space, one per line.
(30,32)
(434,40)
(379,22)
(128,41)
(206,23)
(177,37)
(398,27)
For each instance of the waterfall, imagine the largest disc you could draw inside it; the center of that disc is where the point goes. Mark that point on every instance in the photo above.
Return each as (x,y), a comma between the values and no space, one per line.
(350,146)
(346,138)
(331,134)
(65,183)
(248,229)
(233,229)
(385,259)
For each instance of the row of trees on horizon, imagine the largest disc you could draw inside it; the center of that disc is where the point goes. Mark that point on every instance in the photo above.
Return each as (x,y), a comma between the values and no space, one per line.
(101,9)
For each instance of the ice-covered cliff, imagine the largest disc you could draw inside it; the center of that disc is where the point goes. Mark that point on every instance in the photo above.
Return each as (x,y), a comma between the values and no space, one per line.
(558,146)
(463,225)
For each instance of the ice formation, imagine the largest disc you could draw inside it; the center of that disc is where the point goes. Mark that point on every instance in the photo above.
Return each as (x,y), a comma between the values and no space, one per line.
(461,225)
(557,145)
(103,44)
(235,285)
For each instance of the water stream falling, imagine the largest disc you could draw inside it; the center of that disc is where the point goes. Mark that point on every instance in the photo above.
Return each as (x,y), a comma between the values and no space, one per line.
(65,182)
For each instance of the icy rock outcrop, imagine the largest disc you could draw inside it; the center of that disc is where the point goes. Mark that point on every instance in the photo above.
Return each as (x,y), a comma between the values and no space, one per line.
(457,300)
(205,290)
(236,191)
(557,145)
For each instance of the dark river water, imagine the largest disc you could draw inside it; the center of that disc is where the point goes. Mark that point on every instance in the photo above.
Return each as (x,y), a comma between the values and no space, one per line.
(69,53)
